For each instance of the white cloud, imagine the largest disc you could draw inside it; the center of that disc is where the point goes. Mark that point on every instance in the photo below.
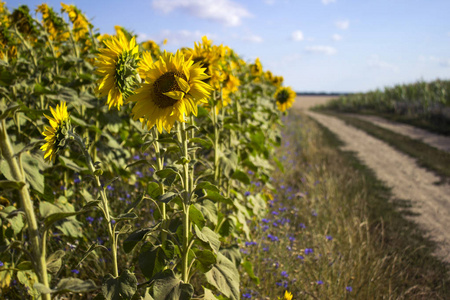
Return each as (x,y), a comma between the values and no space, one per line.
(142,37)
(375,62)
(336,37)
(443,62)
(269,2)
(180,38)
(321,49)
(247,37)
(343,24)
(223,11)
(253,38)
(326,2)
(297,35)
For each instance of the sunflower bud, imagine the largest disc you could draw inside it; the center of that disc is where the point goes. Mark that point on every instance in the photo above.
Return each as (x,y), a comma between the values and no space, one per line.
(127,76)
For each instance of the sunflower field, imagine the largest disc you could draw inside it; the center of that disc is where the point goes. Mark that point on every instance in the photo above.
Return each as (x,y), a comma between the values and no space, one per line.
(126,170)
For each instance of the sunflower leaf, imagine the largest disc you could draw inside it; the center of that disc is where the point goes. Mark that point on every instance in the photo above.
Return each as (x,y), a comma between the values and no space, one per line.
(225,277)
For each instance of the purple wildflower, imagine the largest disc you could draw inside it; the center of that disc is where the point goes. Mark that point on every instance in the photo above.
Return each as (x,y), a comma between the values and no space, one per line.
(308,251)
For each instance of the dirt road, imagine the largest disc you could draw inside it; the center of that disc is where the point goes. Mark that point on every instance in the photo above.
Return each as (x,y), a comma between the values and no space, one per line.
(408,181)
(438,141)
(305,102)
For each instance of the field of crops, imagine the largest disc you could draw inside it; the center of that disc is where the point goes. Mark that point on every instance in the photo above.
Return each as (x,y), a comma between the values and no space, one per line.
(423,104)
(128,171)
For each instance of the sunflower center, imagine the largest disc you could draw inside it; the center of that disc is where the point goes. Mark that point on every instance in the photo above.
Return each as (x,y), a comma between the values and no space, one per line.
(283,97)
(164,84)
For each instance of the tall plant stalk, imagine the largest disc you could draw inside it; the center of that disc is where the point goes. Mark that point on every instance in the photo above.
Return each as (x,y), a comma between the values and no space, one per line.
(104,201)
(183,139)
(39,260)
(159,167)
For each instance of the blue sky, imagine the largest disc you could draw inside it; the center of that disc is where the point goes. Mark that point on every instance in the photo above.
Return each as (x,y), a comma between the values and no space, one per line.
(316,45)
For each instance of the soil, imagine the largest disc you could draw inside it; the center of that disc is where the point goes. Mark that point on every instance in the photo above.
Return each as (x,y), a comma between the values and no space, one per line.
(430,201)
(438,141)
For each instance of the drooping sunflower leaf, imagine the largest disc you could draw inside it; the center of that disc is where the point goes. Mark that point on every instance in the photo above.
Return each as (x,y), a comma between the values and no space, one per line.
(11,184)
(209,295)
(74,285)
(54,261)
(135,237)
(241,176)
(248,267)
(205,260)
(169,287)
(122,287)
(196,216)
(208,209)
(209,237)
(14,217)
(151,260)
(225,277)
(207,186)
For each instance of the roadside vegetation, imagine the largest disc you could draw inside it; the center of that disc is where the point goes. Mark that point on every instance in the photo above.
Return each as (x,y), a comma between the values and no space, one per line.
(333,231)
(422,104)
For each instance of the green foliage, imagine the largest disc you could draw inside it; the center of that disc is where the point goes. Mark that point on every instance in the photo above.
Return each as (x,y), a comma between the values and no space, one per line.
(168,210)
(122,287)
(423,104)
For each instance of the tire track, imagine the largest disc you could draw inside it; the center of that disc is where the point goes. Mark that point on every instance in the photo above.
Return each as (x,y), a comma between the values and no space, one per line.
(408,181)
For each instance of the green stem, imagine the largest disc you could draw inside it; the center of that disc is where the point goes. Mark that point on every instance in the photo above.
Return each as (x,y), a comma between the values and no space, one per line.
(27,205)
(183,137)
(104,199)
(216,139)
(159,167)
(238,114)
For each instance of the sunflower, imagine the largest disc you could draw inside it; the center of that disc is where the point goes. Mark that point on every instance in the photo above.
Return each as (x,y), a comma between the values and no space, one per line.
(53,23)
(117,64)
(153,47)
(205,53)
(285,97)
(287,295)
(57,132)
(256,69)
(80,22)
(173,88)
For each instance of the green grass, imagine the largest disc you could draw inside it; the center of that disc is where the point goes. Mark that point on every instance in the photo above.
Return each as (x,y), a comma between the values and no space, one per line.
(427,156)
(336,207)
(435,123)
(400,236)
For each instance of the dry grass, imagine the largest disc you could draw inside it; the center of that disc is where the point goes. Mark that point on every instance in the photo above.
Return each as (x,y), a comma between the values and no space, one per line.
(330,204)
